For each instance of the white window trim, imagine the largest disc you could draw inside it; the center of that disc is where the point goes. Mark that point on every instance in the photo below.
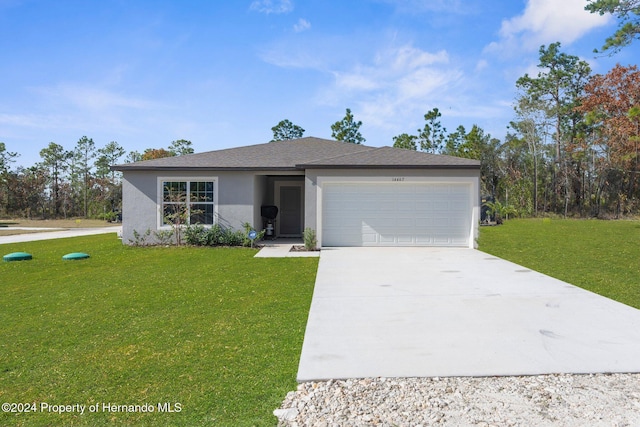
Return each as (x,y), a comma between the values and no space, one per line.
(160,196)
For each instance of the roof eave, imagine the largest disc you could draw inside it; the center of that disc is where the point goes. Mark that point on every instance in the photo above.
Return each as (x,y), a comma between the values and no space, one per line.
(203,168)
(390,166)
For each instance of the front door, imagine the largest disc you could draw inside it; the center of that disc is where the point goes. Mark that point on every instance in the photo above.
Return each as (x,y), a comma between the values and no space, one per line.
(290,205)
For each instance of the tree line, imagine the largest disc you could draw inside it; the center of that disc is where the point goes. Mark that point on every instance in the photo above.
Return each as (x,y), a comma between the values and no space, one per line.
(71,183)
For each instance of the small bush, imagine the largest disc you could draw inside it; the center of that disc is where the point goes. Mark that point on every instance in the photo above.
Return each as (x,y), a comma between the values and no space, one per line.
(140,239)
(213,235)
(247,241)
(310,239)
(163,237)
(196,235)
(109,216)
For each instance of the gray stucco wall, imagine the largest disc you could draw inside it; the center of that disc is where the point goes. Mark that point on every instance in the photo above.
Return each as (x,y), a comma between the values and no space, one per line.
(235,199)
(260,197)
(239,197)
(140,199)
(139,212)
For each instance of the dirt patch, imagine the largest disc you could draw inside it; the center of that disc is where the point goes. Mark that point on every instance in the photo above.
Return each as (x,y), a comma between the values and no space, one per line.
(301,248)
(12,232)
(54,223)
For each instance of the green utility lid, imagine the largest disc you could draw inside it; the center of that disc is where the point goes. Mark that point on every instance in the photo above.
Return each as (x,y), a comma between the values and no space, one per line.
(17,256)
(75,255)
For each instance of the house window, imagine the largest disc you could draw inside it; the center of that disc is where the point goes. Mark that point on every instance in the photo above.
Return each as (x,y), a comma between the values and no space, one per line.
(188,202)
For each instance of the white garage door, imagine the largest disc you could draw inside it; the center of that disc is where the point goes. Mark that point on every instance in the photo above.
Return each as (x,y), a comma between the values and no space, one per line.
(396,214)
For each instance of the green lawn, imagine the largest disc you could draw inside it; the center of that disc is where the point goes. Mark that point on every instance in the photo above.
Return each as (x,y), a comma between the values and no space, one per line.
(214,330)
(600,256)
(211,329)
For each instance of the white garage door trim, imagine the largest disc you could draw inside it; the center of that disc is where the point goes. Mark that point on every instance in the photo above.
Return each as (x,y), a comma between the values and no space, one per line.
(399,224)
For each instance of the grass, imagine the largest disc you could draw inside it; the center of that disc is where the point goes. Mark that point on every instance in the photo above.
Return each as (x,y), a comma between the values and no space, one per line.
(600,256)
(213,329)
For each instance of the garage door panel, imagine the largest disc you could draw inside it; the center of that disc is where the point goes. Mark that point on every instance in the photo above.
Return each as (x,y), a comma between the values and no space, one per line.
(424,240)
(375,224)
(404,189)
(354,224)
(405,239)
(405,216)
(398,214)
(387,239)
(405,208)
(440,205)
(369,239)
(422,206)
(458,204)
(441,240)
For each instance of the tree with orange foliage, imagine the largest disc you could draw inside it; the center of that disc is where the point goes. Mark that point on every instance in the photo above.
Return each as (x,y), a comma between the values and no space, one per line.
(612,105)
(156,153)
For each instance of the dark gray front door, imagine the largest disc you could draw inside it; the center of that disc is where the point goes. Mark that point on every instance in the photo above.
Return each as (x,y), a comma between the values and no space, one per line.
(290,210)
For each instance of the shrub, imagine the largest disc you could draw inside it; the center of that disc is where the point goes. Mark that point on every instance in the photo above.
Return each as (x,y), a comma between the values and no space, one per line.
(195,235)
(163,237)
(310,239)
(217,235)
(214,235)
(231,237)
(140,239)
(109,216)
(246,240)
(500,212)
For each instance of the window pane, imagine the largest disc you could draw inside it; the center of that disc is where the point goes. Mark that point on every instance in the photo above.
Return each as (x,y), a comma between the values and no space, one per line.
(173,213)
(201,191)
(194,191)
(202,213)
(174,191)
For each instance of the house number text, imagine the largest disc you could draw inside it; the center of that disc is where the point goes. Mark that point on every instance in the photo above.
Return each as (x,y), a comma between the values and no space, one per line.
(397,179)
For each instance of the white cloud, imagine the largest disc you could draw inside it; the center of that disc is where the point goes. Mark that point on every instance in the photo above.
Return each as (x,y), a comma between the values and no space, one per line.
(88,97)
(74,108)
(481,65)
(406,72)
(390,89)
(356,80)
(544,22)
(422,6)
(399,82)
(281,56)
(410,58)
(18,120)
(301,25)
(271,6)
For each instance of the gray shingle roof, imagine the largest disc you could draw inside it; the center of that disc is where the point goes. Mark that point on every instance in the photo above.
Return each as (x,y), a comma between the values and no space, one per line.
(280,155)
(299,154)
(389,157)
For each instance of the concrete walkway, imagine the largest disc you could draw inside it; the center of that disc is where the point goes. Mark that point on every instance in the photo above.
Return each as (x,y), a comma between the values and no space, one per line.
(423,312)
(47,235)
(281,248)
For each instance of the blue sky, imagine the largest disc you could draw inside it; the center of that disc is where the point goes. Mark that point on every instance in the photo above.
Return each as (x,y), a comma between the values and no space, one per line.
(222,73)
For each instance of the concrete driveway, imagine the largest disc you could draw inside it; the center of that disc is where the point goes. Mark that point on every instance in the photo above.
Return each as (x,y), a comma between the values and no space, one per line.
(423,312)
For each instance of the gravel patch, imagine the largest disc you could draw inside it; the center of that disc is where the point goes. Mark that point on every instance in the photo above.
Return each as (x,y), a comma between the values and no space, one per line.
(543,400)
